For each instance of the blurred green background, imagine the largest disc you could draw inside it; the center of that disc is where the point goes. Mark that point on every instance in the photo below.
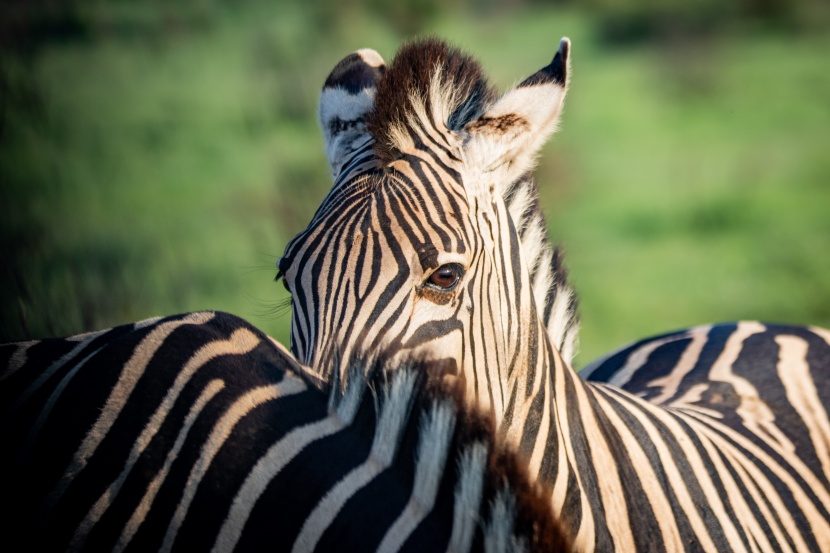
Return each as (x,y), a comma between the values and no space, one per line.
(155,157)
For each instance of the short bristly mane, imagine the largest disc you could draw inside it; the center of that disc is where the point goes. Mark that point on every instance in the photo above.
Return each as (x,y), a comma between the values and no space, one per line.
(427,79)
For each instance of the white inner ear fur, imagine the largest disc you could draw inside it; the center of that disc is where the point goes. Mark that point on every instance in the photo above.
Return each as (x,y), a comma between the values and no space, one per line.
(528,116)
(338,103)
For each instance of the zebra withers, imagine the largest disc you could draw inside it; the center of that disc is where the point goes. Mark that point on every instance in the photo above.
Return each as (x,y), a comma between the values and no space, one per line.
(418,249)
(199,433)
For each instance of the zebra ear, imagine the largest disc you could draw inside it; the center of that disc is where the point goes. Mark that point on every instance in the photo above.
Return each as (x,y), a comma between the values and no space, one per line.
(348,95)
(505,140)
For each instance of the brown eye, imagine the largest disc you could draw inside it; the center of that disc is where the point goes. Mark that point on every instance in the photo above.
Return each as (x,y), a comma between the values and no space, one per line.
(446,276)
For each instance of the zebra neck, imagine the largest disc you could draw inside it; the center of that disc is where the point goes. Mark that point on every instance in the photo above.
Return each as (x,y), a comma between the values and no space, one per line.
(560,428)
(585,445)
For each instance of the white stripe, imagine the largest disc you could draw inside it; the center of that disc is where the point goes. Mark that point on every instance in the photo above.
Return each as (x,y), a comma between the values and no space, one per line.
(755,414)
(692,400)
(147,322)
(120,394)
(586,533)
(636,360)
(752,478)
(560,484)
(468,492)
(649,480)
(794,371)
(266,469)
(521,413)
(671,382)
(638,409)
(748,526)
(732,438)
(46,410)
(388,431)
(822,332)
(18,359)
(612,494)
(543,436)
(242,341)
(47,374)
(218,436)
(330,506)
(436,433)
(140,513)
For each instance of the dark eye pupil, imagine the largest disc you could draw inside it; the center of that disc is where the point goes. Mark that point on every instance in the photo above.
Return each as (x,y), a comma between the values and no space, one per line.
(446,276)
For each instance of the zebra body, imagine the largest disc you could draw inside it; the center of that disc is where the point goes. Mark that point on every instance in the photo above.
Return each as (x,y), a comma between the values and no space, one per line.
(418,249)
(200,433)
(738,412)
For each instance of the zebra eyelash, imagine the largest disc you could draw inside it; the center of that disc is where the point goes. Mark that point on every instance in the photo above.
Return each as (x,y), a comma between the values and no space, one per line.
(281,277)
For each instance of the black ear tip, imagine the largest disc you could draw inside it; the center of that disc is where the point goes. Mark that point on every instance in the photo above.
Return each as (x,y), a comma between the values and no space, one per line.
(356,71)
(564,48)
(559,65)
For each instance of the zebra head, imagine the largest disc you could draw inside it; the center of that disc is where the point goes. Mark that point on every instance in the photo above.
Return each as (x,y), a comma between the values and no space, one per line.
(414,249)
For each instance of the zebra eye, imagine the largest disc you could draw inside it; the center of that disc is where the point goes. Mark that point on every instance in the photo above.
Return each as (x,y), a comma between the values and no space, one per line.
(446,277)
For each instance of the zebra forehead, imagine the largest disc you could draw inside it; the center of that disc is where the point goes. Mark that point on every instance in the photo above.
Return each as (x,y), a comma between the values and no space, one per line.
(428,79)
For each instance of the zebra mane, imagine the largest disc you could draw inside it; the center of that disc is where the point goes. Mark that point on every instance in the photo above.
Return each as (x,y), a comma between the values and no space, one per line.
(427,79)
(554,297)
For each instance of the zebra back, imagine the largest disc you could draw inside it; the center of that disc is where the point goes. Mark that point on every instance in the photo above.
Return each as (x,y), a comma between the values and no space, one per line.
(199,433)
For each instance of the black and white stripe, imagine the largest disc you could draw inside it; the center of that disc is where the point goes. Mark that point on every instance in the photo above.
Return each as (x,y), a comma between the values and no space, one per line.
(199,433)
(694,449)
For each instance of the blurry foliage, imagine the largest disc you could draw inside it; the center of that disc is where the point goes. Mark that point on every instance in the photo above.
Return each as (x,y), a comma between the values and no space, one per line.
(631,21)
(24,24)
(156,156)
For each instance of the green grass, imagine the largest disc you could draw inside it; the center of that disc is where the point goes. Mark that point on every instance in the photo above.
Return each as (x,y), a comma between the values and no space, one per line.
(699,188)
(162,168)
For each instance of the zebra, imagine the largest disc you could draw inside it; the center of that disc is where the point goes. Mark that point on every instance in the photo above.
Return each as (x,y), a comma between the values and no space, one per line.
(666,368)
(198,432)
(414,250)
(346,102)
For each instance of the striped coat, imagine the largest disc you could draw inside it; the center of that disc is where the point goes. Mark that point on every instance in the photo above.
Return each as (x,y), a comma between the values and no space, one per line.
(423,247)
(199,433)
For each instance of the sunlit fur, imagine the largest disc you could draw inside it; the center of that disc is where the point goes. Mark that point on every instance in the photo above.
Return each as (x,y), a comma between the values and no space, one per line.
(370,213)
(345,105)
(736,461)
(199,433)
